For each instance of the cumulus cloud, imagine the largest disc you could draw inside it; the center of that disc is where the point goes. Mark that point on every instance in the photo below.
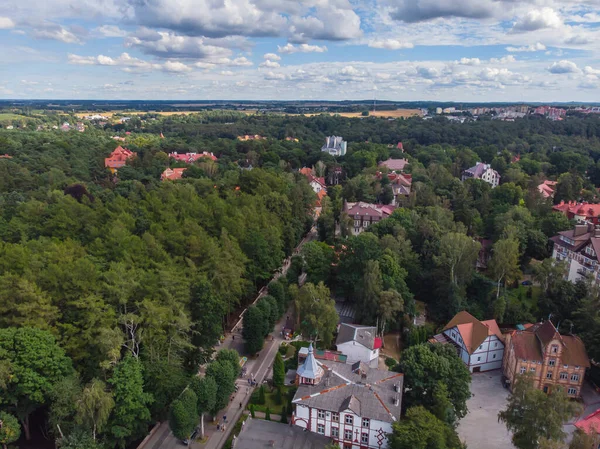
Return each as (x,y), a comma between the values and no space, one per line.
(272,56)
(427,72)
(170,45)
(563,66)
(423,10)
(274,76)
(390,44)
(269,64)
(469,61)
(110,31)
(591,71)
(537,19)
(6,23)
(129,63)
(503,60)
(227,73)
(330,23)
(578,40)
(302,48)
(527,48)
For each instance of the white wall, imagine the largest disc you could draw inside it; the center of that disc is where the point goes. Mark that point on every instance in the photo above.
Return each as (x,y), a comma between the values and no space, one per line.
(488,355)
(374,430)
(573,267)
(357,352)
(316,186)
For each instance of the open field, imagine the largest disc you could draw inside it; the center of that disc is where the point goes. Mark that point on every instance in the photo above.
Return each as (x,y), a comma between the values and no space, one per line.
(5,116)
(110,114)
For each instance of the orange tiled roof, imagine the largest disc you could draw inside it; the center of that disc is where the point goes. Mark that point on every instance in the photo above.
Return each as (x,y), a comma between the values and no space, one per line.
(473,331)
(172,174)
(118,157)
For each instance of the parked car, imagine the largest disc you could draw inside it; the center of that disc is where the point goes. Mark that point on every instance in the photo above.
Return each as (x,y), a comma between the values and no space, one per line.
(191,438)
(526,283)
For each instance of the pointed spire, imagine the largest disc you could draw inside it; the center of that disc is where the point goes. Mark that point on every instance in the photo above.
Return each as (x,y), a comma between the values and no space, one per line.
(310,369)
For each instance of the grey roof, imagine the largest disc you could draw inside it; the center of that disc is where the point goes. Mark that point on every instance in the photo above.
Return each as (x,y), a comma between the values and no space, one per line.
(310,369)
(372,392)
(259,434)
(365,335)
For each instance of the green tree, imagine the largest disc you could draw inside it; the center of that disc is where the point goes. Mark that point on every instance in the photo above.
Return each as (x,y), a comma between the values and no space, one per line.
(532,414)
(63,408)
(420,429)
(32,364)
(254,329)
(426,368)
(277,291)
(504,265)
(283,419)
(224,375)
(457,254)
(206,392)
(94,406)
(183,417)
(78,439)
(268,414)
(131,414)
(316,312)
(318,257)
(278,371)
(10,429)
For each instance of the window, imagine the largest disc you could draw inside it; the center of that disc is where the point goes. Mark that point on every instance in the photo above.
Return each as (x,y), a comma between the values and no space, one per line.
(335,432)
(366,422)
(565,366)
(532,370)
(321,429)
(576,366)
(364,438)
(572,391)
(479,359)
(356,223)
(494,356)
(347,434)
(349,419)
(366,224)
(554,349)
(523,369)
(551,362)
(549,375)
(575,378)
(480,346)
(335,417)
(320,414)
(564,376)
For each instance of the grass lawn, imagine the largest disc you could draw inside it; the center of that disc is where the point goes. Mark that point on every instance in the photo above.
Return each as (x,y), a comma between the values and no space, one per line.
(520,294)
(6,116)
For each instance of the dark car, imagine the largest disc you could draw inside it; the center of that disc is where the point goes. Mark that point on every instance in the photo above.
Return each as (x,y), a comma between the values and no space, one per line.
(191,438)
(526,283)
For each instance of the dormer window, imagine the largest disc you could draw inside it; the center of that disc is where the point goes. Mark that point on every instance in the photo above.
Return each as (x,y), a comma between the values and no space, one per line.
(554,349)
(590,251)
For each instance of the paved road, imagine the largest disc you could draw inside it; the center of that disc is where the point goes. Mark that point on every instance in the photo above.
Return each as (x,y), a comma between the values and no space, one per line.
(258,368)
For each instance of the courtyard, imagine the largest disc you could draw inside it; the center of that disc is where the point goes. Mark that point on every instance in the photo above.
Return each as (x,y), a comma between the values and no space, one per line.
(480,428)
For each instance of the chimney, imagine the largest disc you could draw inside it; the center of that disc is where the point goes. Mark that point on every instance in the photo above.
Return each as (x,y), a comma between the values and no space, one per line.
(580,229)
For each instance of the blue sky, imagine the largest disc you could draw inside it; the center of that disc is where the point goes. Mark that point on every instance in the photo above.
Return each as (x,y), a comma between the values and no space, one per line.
(446,50)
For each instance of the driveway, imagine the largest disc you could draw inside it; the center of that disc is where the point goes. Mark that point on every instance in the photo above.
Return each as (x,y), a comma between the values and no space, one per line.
(480,428)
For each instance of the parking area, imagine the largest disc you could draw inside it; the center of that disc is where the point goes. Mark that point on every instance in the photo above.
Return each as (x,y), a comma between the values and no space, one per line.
(480,428)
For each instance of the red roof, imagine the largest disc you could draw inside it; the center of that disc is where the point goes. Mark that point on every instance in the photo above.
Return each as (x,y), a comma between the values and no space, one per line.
(118,157)
(377,343)
(547,188)
(172,174)
(306,171)
(394,164)
(322,194)
(320,181)
(399,146)
(590,423)
(589,210)
(191,157)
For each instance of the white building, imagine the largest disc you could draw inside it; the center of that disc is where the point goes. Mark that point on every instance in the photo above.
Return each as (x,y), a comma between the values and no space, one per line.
(484,172)
(354,405)
(335,145)
(579,248)
(479,344)
(359,344)
(317,183)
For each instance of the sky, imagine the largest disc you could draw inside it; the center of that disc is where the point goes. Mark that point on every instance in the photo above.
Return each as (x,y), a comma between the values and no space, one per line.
(402,50)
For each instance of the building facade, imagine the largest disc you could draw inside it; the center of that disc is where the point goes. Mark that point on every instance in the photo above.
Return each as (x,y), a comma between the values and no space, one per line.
(484,172)
(335,145)
(118,158)
(364,215)
(359,343)
(479,344)
(352,404)
(552,359)
(579,211)
(579,248)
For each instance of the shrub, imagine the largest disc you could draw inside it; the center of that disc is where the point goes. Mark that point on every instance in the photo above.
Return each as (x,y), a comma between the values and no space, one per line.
(390,362)
(252,410)
(290,351)
(278,399)
(268,414)
(284,415)
(261,395)
(283,348)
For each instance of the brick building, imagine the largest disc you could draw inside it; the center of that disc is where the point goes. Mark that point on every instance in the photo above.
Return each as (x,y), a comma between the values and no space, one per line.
(551,358)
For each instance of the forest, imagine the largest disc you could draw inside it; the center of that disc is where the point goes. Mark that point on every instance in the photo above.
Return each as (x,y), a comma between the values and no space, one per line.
(114,289)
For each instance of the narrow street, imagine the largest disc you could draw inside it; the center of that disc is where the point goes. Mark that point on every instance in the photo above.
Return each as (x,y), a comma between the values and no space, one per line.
(257,368)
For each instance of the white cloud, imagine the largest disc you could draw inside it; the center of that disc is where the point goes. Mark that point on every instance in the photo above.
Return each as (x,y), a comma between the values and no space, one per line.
(427,72)
(240,62)
(110,31)
(334,21)
(528,48)
(390,44)
(270,64)
(578,40)
(227,73)
(272,56)
(302,48)
(129,63)
(57,33)
(537,19)
(176,66)
(274,76)
(6,23)
(170,45)
(469,61)
(503,60)
(563,66)
(33,83)
(423,10)
(591,71)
